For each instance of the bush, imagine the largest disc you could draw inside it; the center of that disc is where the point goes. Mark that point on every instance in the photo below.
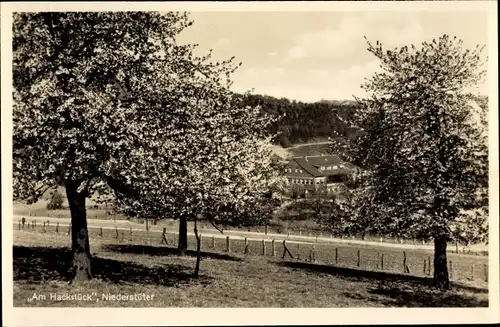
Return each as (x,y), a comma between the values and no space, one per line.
(56,202)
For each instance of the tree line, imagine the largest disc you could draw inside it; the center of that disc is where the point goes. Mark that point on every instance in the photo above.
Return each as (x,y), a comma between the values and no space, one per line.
(302,122)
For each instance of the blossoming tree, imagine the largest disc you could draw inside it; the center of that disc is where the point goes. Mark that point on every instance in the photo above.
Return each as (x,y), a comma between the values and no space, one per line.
(423,147)
(102,100)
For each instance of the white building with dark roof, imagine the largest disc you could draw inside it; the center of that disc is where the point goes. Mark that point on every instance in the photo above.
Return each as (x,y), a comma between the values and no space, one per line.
(313,172)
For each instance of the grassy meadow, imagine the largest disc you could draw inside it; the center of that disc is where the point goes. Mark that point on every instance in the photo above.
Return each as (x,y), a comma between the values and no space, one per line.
(121,266)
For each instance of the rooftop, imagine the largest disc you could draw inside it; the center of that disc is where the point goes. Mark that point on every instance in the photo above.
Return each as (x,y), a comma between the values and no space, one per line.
(313,165)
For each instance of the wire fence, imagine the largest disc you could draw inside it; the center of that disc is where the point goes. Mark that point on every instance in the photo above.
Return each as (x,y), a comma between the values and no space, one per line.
(415,262)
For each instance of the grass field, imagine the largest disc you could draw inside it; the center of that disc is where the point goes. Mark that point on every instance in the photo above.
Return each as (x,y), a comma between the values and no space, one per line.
(470,269)
(227,279)
(286,228)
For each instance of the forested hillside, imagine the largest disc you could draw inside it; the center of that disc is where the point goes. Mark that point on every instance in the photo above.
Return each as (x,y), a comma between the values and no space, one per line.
(305,122)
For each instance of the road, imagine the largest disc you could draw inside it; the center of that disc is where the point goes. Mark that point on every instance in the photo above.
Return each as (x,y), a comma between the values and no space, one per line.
(307,144)
(171,227)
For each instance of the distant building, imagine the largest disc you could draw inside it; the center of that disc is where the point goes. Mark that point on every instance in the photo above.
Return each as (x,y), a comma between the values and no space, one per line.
(315,172)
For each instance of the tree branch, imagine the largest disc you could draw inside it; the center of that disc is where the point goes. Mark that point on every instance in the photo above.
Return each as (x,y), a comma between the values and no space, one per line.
(120,187)
(216,227)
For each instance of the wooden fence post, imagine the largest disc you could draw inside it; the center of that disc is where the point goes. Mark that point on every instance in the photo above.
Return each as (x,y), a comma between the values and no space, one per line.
(100,231)
(57,228)
(472,272)
(263,247)
(404,262)
(425,267)
(164,238)
(382,261)
(131,234)
(457,244)
(451,269)
(359,258)
(286,250)
(274,248)
(246,245)
(43,228)
(298,251)
(213,242)
(485,272)
(313,253)
(228,244)
(201,242)
(265,229)
(116,230)
(69,229)
(336,255)
(429,264)
(23,221)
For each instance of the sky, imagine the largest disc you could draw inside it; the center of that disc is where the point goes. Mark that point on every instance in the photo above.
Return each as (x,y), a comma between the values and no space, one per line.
(312,56)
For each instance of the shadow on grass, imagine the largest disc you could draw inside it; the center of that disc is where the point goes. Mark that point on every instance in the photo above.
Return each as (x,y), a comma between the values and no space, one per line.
(38,264)
(164,251)
(400,290)
(412,294)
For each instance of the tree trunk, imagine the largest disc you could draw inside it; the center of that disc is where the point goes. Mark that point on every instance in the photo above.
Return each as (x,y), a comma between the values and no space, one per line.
(198,249)
(79,233)
(183,241)
(441,278)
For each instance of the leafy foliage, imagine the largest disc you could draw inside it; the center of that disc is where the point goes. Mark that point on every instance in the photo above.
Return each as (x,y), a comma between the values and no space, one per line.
(92,90)
(110,100)
(221,169)
(303,122)
(423,147)
(103,99)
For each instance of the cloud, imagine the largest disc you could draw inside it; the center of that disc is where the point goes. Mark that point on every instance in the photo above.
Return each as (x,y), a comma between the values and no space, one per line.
(221,43)
(310,85)
(261,77)
(262,72)
(332,62)
(392,29)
